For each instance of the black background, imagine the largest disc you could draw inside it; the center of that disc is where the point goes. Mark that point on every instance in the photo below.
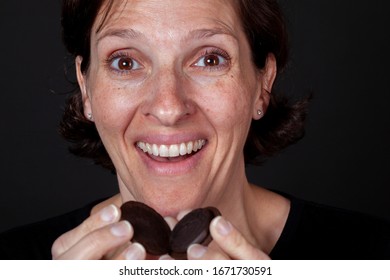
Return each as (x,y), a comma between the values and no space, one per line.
(339,50)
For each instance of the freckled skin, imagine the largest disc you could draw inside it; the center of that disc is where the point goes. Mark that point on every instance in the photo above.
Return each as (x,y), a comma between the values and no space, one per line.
(169,95)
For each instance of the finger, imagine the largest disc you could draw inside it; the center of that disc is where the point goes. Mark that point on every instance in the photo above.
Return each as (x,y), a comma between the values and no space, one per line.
(116,200)
(113,253)
(200,252)
(97,243)
(134,251)
(100,219)
(166,257)
(232,242)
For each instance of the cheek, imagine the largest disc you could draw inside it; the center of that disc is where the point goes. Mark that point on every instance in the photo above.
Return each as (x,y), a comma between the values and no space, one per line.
(112,109)
(230,104)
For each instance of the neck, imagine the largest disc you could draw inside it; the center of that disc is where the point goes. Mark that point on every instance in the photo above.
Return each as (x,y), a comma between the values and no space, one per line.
(266,213)
(259,214)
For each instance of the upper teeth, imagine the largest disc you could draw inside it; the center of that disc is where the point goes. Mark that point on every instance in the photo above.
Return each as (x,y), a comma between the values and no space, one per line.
(173,150)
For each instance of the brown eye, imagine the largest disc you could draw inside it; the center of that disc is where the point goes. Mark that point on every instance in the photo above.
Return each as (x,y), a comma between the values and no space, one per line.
(125,64)
(211,60)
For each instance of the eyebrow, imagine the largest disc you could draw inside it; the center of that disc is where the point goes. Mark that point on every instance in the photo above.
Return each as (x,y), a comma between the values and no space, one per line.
(206,33)
(121,33)
(196,34)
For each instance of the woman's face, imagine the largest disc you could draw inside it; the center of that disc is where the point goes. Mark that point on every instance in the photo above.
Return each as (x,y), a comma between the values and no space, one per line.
(172,90)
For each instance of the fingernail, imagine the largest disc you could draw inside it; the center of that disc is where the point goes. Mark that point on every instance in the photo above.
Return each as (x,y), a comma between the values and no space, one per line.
(166,257)
(120,229)
(109,213)
(135,252)
(196,251)
(223,227)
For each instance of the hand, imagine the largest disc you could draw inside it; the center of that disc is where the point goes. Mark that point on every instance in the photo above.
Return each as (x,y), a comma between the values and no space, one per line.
(231,245)
(100,236)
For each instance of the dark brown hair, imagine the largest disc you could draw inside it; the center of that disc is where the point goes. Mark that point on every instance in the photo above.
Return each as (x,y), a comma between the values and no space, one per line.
(264,26)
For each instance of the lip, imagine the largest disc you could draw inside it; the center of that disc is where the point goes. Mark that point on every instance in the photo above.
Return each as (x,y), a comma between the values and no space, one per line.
(171,168)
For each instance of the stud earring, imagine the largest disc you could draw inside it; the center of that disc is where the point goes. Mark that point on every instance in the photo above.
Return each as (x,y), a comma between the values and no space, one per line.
(89,116)
(259,112)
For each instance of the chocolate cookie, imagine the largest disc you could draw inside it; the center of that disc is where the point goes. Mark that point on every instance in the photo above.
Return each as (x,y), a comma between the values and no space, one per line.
(192,228)
(150,228)
(152,231)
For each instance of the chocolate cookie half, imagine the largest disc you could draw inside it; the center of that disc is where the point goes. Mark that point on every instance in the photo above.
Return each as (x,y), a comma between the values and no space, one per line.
(152,231)
(150,228)
(192,228)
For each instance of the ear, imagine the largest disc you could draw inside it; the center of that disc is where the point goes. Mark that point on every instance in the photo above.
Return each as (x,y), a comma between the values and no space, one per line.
(266,79)
(81,79)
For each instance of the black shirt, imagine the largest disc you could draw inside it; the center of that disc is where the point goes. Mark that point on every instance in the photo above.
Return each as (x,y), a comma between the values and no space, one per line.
(34,241)
(312,231)
(318,232)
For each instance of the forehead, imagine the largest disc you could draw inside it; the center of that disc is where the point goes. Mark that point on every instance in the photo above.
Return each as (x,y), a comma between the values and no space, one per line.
(169,18)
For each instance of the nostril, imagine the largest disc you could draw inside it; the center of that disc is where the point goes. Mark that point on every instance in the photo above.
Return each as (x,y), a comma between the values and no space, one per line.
(169,113)
(169,99)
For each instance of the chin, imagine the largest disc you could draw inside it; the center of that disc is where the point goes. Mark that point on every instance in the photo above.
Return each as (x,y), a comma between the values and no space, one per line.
(170,204)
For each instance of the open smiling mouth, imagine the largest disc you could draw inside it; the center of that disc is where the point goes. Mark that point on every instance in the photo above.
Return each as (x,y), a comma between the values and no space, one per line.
(171,153)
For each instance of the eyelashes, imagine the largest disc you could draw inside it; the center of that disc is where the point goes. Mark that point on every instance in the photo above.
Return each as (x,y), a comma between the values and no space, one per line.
(121,62)
(213,59)
(208,59)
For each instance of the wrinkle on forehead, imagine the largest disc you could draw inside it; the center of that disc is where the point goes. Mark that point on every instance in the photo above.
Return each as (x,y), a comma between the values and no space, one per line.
(115,11)
(195,34)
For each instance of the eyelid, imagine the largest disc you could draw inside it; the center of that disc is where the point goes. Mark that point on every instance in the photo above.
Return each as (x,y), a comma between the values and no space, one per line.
(119,55)
(213,51)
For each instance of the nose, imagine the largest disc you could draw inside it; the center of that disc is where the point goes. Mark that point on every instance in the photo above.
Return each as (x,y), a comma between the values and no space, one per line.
(168,102)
